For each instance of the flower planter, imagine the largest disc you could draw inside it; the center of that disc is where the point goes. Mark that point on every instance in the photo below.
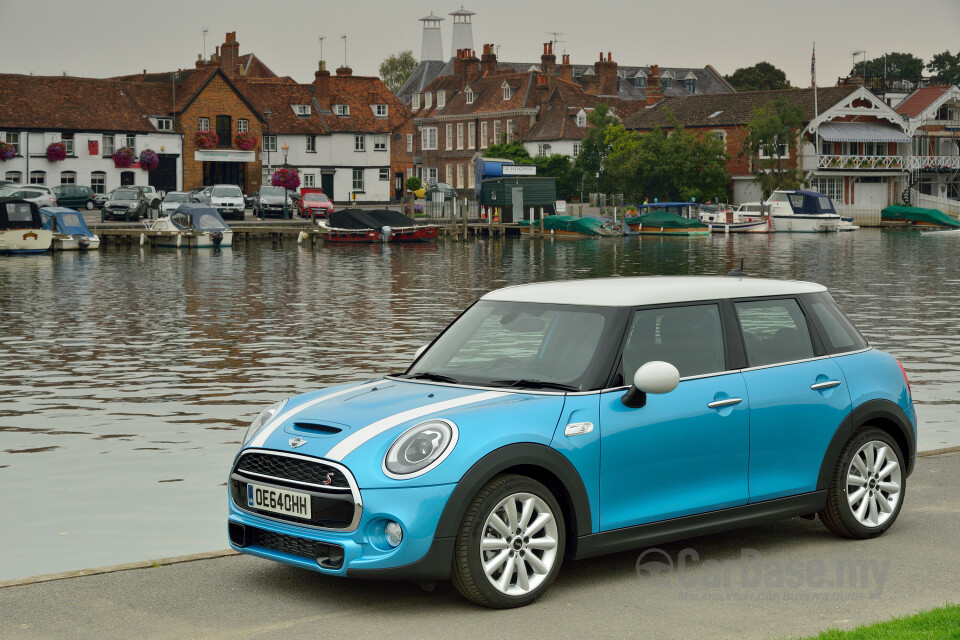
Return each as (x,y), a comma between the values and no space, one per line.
(286,178)
(123,157)
(7,152)
(149,160)
(245,141)
(56,152)
(206,139)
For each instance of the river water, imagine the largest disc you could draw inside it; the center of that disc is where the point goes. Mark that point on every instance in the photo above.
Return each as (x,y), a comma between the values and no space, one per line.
(128,376)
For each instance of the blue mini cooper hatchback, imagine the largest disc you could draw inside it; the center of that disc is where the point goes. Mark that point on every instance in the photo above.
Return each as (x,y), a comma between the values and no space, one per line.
(572,419)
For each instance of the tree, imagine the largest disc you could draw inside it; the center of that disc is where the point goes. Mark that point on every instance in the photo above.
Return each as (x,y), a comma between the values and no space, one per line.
(396,68)
(413,183)
(509,151)
(772,130)
(903,65)
(946,66)
(595,148)
(760,77)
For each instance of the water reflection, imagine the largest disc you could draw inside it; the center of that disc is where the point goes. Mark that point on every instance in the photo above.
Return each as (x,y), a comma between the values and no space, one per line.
(130,375)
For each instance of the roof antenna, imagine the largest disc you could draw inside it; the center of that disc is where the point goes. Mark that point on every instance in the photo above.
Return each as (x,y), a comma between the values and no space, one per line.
(738,272)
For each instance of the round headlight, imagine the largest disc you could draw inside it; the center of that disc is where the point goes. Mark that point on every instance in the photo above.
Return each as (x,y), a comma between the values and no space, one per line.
(420,448)
(261,420)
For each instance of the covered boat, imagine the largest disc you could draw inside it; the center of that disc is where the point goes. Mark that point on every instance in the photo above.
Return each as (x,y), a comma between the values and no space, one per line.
(726,219)
(802,211)
(376,225)
(571,227)
(668,219)
(196,226)
(918,216)
(21,228)
(70,230)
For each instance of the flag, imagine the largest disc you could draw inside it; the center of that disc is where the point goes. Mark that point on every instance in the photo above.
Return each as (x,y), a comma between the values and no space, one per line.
(813,66)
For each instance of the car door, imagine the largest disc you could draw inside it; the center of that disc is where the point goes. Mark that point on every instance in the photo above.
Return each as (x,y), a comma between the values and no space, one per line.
(684,452)
(798,397)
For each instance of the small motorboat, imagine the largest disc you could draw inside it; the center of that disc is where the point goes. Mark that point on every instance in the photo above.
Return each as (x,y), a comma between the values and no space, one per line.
(21,228)
(376,225)
(802,212)
(748,218)
(571,227)
(194,226)
(668,219)
(70,230)
(899,215)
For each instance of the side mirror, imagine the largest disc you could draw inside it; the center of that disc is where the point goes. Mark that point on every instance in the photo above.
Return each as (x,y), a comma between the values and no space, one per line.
(419,352)
(655,376)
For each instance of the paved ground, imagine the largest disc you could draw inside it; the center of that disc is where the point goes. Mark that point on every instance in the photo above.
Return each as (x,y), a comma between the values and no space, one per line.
(782,580)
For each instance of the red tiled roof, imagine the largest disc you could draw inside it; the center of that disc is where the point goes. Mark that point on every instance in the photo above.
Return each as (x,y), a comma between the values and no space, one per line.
(278,95)
(488,97)
(360,92)
(253,67)
(919,100)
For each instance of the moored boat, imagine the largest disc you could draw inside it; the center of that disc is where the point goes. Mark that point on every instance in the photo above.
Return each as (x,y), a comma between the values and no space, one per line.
(668,219)
(376,225)
(726,219)
(799,211)
(194,226)
(571,227)
(21,228)
(918,217)
(70,230)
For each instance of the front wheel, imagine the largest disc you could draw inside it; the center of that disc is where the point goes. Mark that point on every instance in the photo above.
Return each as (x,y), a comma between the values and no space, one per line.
(510,543)
(867,486)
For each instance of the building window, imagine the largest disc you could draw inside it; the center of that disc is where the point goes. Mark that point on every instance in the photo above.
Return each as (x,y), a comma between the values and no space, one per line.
(471,172)
(722,137)
(380,110)
(131,142)
(311,144)
(38,177)
(449,174)
(507,92)
(472,135)
(358,179)
(380,142)
(459,176)
(409,172)
(483,134)
(165,124)
(471,96)
(430,174)
(640,82)
(782,151)
(384,174)
(269,143)
(496,132)
(542,150)
(359,142)
(441,99)
(690,85)
(98,181)
(509,130)
(341,109)
(203,124)
(830,187)
(577,146)
(14,139)
(428,139)
(302,110)
(309,180)
(459,135)
(14,176)
(224,131)
(427,100)
(448,138)
(415,102)
(581,119)
(68,177)
(409,143)
(243,125)
(667,82)
(68,143)
(108,145)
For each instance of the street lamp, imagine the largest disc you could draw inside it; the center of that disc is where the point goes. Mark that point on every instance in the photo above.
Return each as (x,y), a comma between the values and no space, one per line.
(267,114)
(286,150)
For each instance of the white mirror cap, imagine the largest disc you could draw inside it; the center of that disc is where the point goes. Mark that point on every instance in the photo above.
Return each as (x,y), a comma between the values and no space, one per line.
(656,376)
(419,352)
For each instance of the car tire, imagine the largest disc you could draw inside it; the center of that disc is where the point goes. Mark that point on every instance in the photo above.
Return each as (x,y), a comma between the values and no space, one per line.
(867,486)
(89,205)
(510,543)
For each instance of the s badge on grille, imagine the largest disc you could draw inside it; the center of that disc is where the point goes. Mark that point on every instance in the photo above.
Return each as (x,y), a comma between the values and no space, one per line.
(297,442)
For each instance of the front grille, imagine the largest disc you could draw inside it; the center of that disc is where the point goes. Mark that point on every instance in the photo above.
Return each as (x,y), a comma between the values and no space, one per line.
(297,469)
(283,543)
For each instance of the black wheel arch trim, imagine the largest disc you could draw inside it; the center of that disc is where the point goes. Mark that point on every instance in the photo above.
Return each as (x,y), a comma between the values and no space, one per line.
(872,411)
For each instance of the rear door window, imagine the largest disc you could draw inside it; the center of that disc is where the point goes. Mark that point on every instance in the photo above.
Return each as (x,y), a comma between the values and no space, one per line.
(774,331)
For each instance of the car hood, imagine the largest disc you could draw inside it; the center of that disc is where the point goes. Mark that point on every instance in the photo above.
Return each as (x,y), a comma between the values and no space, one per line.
(227,200)
(356,424)
(273,199)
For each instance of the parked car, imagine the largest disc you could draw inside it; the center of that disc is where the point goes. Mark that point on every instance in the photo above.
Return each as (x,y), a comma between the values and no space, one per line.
(227,199)
(100,199)
(203,195)
(75,196)
(37,193)
(314,202)
(150,193)
(581,418)
(173,199)
(274,201)
(126,203)
(439,187)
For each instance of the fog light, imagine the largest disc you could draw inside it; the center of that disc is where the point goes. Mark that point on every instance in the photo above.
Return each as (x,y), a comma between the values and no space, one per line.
(394,533)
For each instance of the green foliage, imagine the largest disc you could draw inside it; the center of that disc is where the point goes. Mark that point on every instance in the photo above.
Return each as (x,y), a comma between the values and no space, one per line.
(509,151)
(946,66)
(396,68)
(904,65)
(413,183)
(760,77)
(942,623)
(556,166)
(774,124)
(595,149)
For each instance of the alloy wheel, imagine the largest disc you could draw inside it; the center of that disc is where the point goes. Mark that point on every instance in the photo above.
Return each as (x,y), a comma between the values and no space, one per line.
(874,481)
(518,545)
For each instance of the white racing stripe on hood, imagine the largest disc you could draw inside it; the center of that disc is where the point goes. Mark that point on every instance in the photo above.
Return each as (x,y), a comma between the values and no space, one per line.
(280,419)
(346,446)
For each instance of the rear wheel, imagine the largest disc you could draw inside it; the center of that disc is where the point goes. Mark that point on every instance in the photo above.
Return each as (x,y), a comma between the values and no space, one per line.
(89,205)
(867,486)
(510,543)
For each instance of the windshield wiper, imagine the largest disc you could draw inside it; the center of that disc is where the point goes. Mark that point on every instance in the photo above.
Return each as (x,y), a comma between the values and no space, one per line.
(534,384)
(436,377)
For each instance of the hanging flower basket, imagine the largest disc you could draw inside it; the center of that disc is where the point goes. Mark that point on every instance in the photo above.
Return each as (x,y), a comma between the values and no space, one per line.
(149,160)
(286,178)
(206,139)
(7,151)
(245,141)
(56,152)
(123,157)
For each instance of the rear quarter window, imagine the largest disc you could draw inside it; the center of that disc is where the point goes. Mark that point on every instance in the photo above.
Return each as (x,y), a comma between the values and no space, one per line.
(837,332)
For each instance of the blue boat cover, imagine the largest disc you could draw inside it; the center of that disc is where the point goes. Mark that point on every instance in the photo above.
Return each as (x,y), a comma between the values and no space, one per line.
(69,221)
(809,202)
(201,217)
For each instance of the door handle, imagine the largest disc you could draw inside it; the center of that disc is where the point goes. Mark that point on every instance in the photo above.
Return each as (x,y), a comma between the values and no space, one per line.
(729,402)
(829,384)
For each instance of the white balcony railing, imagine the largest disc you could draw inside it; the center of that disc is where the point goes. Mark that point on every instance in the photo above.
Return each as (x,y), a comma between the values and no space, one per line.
(861,162)
(919,163)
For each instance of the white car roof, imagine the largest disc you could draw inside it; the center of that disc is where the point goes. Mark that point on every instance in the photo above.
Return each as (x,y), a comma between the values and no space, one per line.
(635,291)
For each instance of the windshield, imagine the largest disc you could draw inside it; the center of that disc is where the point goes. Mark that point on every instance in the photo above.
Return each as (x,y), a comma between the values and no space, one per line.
(316,197)
(272,191)
(175,197)
(519,344)
(227,192)
(125,195)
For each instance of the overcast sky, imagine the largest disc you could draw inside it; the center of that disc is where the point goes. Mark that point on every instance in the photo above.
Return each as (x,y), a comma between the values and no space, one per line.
(98,38)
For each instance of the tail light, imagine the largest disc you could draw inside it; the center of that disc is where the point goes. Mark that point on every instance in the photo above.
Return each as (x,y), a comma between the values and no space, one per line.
(907,380)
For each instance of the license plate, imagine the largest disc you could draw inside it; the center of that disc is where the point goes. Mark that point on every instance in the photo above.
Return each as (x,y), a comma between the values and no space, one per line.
(289,503)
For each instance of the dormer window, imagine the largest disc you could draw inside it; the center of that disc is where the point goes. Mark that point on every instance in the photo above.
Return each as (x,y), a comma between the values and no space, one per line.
(415,102)
(507,91)
(165,124)
(690,83)
(470,95)
(380,110)
(427,100)
(341,109)
(639,80)
(302,110)
(666,81)
(441,99)
(581,119)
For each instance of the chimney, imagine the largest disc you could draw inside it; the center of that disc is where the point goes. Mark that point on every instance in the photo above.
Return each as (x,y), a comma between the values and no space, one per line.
(565,69)
(543,93)
(488,62)
(344,71)
(654,90)
(321,84)
(471,65)
(607,72)
(199,63)
(230,54)
(591,84)
(458,63)
(548,62)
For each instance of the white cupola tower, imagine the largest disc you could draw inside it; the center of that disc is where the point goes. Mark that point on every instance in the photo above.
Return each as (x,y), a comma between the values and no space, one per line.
(462,31)
(432,40)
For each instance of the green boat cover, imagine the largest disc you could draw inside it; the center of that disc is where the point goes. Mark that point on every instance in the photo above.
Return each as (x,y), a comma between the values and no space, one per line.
(666,220)
(586,226)
(916,214)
